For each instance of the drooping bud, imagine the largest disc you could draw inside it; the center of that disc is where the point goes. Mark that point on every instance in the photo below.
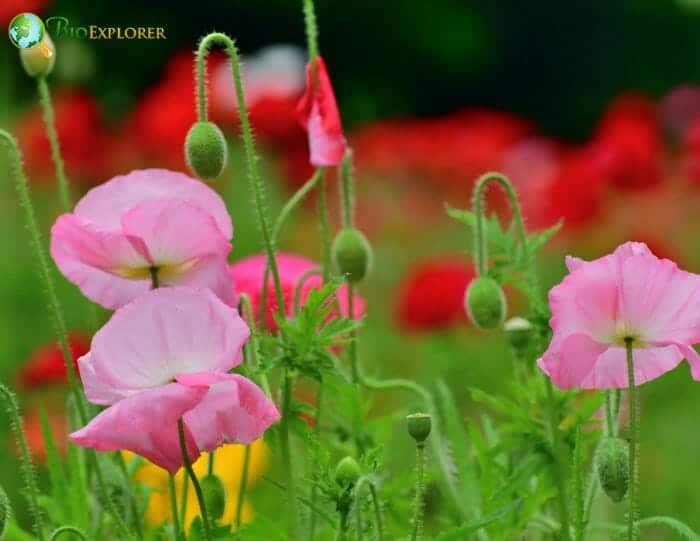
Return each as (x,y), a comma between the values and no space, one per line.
(419,425)
(518,332)
(206,152)
(485,303)
(347,472)
(214,493)
(612,463)
(352,254)
(38,61)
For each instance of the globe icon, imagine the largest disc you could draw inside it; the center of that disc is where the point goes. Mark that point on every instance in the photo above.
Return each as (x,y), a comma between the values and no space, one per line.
(26,30)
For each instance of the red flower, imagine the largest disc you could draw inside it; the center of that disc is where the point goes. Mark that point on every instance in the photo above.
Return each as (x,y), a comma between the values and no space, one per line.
(35,436)
(629,143)
(46,367)
(431,296)
(10,8)
(318,114)
(80,136)
(691,151)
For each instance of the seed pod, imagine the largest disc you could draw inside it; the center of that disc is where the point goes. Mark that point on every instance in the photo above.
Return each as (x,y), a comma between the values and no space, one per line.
(612,463)
(206,152)
(38,61)
(419,425)
(518,332)
(352,254)
(347,472)
(485,303)
(214,493)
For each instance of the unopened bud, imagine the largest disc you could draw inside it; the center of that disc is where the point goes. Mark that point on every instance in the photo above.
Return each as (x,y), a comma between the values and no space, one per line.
(352,254)
(214,493)
(419,425)
(347,472)
(38,61)
(485,302)
(612,463)
(206,152)
(518,332)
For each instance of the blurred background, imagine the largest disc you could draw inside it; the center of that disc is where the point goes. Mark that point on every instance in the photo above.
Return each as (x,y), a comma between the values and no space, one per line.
(592,109)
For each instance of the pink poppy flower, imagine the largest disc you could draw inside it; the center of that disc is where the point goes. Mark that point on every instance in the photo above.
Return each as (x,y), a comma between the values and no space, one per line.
(248,275)
(149,218)
(167,356)
(318,113)
(628,294)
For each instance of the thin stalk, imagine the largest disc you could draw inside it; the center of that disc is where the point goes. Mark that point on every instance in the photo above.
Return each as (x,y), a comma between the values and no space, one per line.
(77,532)
(347,199)
(210,464)
(173,507)
(256,184)
(311,29)
(317,431)
(50,123)
(246,308)
(610,415)
(420,489)
(579,509)
(292,515)
(377,512)
(195,481)
(242,487)
(632,528)
(184,488)
(324,229)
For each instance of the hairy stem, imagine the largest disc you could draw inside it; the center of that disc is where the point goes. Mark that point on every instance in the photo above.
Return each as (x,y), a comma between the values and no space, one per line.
(243,486)
(632,528)
(347,198)
(77,532)
(285,448)
(195,481)
(420,489)
(173,507)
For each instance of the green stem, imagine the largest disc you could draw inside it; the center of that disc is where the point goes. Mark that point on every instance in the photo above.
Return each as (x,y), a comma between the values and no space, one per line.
(632,528)
(256,184)
(347,193)
(195,481)
(317,431)
(610,415)
(50,123)
(311,30)
(341,533)
(285,449)
(58,532)
(210,464)
(184,488)
(27,466)
(579,509)
(324,230)
(246,308)
(420,488)
(173,507)
(242,487)
(352,345)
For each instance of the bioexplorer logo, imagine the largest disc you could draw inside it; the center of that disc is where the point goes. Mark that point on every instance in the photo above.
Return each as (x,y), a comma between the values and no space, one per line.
(26,30)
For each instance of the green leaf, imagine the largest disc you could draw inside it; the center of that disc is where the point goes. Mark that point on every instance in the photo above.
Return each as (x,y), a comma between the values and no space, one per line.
(57,477)
(459,533)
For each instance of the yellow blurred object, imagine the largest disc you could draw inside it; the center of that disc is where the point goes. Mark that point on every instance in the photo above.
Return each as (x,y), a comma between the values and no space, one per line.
(228,466)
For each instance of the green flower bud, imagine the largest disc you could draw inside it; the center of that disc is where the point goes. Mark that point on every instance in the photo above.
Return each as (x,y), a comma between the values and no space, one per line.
(347,472)
(214,493)
(485,303)
(38,61)
(352,254)
(612,463)
(518,332)
(419,425)
(205,150)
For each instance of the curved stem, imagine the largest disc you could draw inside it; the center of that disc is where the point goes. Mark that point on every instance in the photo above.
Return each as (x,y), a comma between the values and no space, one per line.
(242,487)
(68,529)
(27,466)
(251,155)
(632,529)
(299,286)
(50,123)
(377,512)
(193,478)
(173,506)
(420,487)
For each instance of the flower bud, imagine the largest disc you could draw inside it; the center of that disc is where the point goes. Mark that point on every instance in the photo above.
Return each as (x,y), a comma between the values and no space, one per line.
(214,493)
(419,425)
(518,332)
(352,254)
(347,472)
(205,150)
(38,61)
(485,303)
(612,463)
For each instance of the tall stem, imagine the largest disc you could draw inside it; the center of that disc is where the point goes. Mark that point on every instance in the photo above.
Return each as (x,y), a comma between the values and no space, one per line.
(50,122)
(193,478)
(256,184)
(420,488)
(243,485)
(347,199)
(286,454)
(632,528)
(173,507)
(324,229)
(559,476)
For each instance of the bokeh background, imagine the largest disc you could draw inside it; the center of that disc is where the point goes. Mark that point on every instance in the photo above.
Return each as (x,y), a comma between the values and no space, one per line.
(592,110)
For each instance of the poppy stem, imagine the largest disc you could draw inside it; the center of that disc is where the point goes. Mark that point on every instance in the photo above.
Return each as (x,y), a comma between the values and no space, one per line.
(347,189)
(251,351)
(292,514)
(173,507)
(243,485)
(364,480)
(632,528)
(420,489)
(256,183)
(193,478)
(324,229)
(311,30)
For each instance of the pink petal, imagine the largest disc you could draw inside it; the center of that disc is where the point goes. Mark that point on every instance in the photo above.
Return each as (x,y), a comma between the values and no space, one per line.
(318,113)
(570,360)
(146,424)
(96,390)
(235,410)
(166,332)
(211,272)
(92,258)
(106,203)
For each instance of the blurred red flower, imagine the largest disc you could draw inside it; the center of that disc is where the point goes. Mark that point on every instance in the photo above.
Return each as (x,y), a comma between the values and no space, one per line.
(35,436)
(628,143)
(431,296)
(10,8)
(45,366)
(80,134)
(691,152)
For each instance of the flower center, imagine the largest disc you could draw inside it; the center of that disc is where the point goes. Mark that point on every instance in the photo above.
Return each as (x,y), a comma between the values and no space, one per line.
(623,335)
